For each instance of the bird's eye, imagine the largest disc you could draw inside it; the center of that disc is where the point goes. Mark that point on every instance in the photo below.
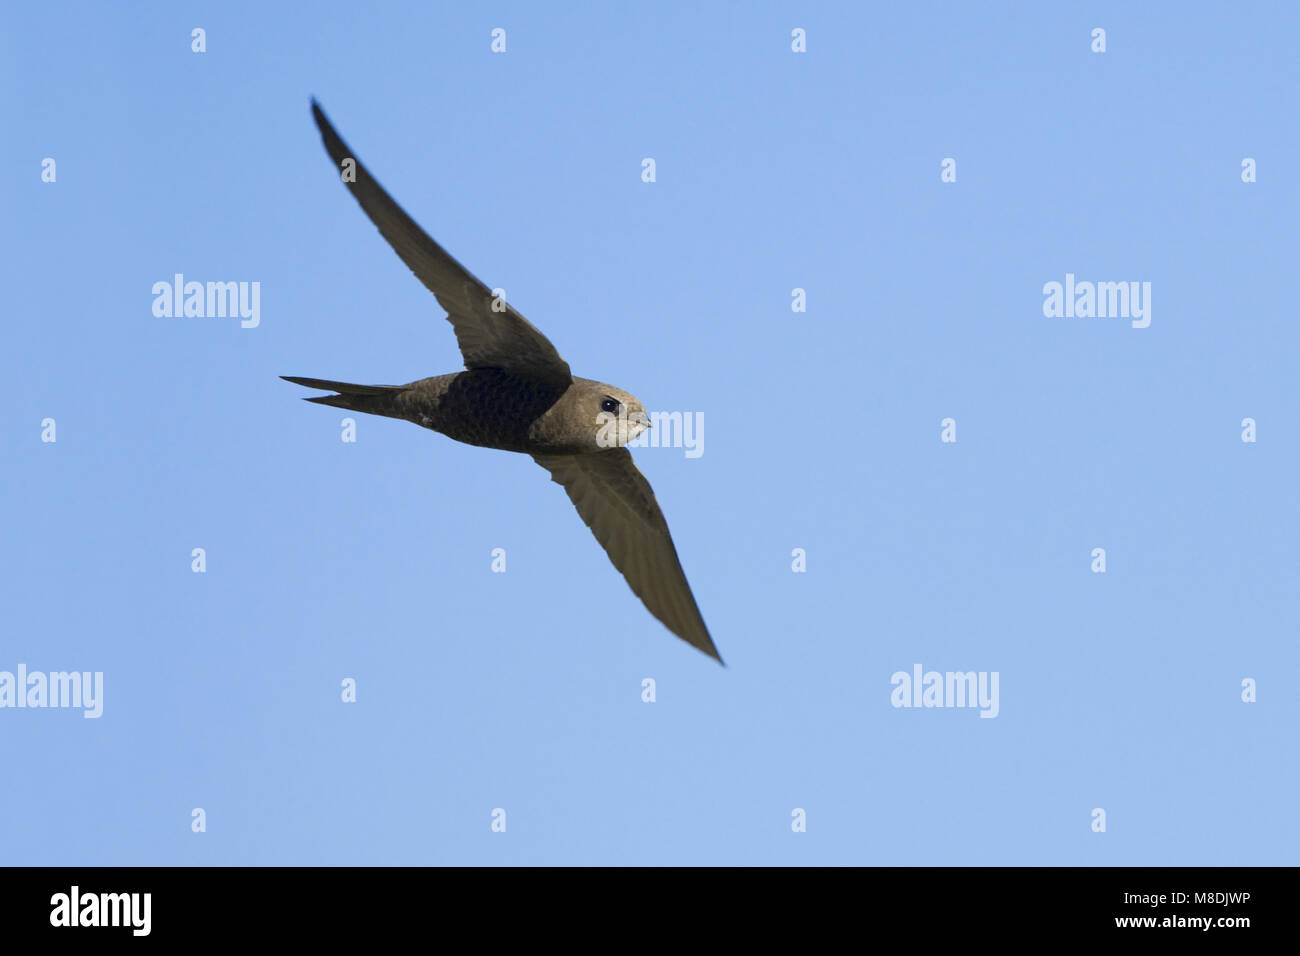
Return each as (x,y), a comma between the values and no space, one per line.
(609,405)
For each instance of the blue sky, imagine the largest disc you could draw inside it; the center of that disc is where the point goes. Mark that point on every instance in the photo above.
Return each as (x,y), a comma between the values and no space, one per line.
(775,170)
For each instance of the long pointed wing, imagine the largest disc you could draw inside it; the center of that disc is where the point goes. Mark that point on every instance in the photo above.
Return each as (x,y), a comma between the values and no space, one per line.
(619,506)
(487,339)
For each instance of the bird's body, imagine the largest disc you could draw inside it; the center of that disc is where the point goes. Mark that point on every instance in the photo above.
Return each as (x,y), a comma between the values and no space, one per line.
(518,395)
(485,407)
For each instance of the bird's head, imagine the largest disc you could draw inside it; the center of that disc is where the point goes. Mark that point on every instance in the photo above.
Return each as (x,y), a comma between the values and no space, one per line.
(606,417)
(590,416)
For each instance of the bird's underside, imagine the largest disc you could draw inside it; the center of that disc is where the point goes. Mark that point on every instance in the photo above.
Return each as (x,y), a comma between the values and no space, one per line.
(518,394)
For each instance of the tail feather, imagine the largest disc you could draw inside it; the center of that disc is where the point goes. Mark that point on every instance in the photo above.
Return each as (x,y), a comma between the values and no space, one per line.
(343,388)
(372,399)
(350,402)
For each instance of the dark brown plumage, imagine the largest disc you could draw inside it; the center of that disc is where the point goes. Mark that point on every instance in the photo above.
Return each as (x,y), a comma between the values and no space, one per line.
(517,394)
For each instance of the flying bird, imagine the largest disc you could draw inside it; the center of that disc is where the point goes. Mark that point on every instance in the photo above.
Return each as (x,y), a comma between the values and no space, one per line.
(517,394)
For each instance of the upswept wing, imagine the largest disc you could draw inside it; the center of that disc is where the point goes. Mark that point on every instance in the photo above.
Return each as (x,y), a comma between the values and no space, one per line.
(487,339)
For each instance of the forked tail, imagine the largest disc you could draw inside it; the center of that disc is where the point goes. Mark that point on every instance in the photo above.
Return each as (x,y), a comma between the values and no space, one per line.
(371,399)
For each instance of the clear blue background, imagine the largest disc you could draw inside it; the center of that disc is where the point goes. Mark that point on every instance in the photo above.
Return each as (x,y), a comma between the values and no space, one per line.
(522,690)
